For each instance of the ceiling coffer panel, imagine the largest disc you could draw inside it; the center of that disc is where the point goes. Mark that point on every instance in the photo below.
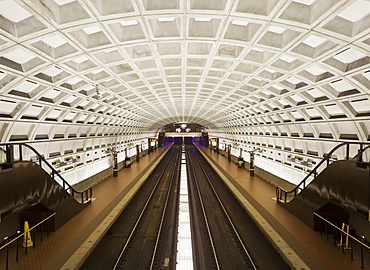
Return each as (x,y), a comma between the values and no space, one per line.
(224,64)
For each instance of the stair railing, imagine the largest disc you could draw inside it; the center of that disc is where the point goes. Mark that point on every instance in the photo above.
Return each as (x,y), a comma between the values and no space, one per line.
(10,151)
(284,196)
(12,244)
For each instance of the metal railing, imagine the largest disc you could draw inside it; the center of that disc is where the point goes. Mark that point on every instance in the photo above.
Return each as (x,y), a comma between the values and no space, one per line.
(343,239)
(284,196)
(31,233)
(14,152)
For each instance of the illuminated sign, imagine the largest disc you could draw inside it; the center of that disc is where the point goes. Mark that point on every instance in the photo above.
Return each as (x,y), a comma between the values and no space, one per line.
(213,140)
(153,140)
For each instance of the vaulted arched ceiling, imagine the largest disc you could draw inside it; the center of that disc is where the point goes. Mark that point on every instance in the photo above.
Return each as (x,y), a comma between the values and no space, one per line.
(297,68)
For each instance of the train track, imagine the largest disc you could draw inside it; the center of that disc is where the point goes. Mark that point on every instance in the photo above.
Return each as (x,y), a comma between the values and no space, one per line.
(225,248)
(223,235)
(145,232)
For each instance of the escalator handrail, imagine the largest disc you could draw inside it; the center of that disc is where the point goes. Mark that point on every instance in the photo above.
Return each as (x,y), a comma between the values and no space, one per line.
(280,190)
(87,191)
(363,150)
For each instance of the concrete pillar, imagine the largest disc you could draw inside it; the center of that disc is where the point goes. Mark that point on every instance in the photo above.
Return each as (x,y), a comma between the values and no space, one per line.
(251,171)
(9,153)
(127,160)
(115,164)
(240,159)
(137,152)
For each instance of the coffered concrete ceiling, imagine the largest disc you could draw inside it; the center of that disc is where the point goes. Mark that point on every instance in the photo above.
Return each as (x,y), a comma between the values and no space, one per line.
(269,67)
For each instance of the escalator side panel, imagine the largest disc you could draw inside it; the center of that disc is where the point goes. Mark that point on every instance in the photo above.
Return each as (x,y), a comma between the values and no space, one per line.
(341,183)
(28,185)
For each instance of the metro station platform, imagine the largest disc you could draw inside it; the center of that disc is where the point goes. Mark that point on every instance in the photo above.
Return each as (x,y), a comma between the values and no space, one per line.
(54,251)
(315,250)
(65,248)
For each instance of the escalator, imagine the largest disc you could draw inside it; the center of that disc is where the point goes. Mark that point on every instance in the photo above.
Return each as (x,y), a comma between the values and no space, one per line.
(32,190)
(337,189)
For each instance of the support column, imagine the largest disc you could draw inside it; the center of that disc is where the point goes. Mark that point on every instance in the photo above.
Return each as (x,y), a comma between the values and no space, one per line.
(240,159)
(161,139)
(251,171)
(359,154)
(9,154)
(127,160)
(206,139)
(115,164)
(137,152)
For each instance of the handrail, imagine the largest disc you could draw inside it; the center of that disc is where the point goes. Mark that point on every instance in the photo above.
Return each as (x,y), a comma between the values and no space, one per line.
(362,244)
(85,195)
(362,151)
(339,229)
(30,229)
(282,194)
(24,234)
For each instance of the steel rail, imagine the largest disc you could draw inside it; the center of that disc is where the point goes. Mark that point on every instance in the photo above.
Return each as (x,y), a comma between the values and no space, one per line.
(174,176)
(141,214)
(189,161)
(231,223)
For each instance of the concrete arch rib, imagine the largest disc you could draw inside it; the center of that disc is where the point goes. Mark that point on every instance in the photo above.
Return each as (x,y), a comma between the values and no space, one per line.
(289,72)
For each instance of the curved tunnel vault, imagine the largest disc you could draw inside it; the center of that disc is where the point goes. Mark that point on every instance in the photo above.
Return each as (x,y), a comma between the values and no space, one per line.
(290,78)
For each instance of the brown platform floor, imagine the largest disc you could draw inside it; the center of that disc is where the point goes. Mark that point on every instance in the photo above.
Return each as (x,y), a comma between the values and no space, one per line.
(314,250)
(54,251)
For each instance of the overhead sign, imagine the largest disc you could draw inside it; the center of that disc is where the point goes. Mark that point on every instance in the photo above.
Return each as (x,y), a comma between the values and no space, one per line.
(213,140)
(153,140)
